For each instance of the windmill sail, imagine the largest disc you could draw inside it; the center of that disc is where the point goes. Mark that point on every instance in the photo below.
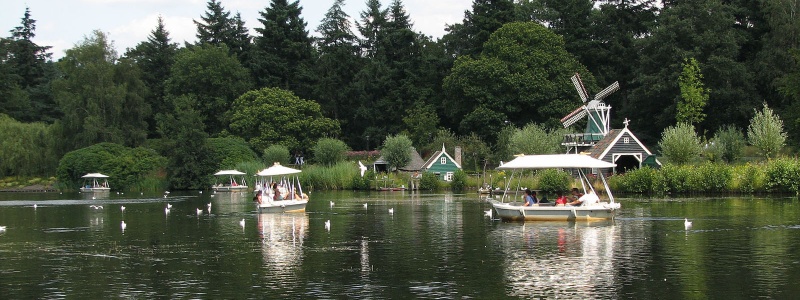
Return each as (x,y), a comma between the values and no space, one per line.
(574,116)
(607,91)
(576,80)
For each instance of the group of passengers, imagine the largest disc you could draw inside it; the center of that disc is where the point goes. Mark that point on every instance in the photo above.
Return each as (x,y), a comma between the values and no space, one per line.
(276,192)
(578,198)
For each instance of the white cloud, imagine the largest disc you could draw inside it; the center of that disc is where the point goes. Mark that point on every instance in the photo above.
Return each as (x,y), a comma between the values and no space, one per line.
(180,29)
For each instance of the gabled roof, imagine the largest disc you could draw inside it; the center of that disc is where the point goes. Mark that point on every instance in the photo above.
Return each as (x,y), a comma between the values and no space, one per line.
(415,164)
(435,157)
(601,148)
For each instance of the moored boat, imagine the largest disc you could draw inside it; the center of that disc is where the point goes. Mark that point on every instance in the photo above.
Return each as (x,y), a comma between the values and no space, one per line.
(95,183)
(516,211)
(230,183)
(283,182)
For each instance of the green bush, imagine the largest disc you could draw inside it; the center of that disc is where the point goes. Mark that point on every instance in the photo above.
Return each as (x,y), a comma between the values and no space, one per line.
(551,180)
(363,183)
(713,177)
(429,182)
(731,141)
(329,151)
(126,167)
(748,178)
(642,181)
(675,178)
(230,151)
(782,175)
(459,181)
(680,144)
(276,153)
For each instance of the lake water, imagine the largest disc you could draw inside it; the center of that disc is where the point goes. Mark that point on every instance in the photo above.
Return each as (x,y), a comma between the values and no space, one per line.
(432,246)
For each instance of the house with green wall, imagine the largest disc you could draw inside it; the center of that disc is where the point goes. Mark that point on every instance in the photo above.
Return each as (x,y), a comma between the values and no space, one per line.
(443,165)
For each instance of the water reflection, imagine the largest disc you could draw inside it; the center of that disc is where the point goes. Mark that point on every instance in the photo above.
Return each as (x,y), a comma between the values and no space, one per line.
(559,259)
(282,237)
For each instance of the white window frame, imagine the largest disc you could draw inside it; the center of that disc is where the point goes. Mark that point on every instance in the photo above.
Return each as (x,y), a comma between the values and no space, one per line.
(443,160)
(448,176)
(626,140)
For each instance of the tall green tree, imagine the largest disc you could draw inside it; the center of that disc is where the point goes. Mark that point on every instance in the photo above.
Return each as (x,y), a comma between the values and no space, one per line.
(189,156)
(293,122)
(214,77)
(102,98)
(283,54)
(30,68)
(486,17)
(337,64)
(396,152)
(216,26)
(680,143)
(521,76)
(694,96)
(373,19)
(155,58)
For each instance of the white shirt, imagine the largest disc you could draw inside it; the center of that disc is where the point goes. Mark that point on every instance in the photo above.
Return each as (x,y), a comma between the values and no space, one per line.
(589,199)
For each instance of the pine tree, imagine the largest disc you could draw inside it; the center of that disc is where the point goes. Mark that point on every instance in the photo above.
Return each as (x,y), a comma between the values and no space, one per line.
(283,53)
(486,17)
(216,27)
(337,64)
(373,19)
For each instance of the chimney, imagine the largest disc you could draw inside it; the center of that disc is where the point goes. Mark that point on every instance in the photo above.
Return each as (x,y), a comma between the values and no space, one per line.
(458,155)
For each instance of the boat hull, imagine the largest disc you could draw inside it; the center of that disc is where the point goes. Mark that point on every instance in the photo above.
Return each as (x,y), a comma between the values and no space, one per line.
(282,206)
(95,190)
(517,212)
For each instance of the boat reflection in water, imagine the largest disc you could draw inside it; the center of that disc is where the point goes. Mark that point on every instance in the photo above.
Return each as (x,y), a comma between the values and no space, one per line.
(282,237)
(559,259)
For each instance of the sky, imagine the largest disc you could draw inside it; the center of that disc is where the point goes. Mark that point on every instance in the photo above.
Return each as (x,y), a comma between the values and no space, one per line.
(64,23)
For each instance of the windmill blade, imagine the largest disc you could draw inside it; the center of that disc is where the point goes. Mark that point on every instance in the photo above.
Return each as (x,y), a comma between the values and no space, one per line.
(576,81)
(574,116)
(607,91)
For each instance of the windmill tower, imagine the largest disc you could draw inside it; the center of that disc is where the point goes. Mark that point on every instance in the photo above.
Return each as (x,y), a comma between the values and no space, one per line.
(598,114)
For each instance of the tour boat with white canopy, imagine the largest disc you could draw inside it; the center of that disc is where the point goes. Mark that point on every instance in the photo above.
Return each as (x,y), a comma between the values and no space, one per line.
(95,183)
(232,181)
(280,190)
(516,211)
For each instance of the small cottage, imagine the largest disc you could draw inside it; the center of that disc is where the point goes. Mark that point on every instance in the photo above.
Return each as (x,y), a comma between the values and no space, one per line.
(414,165)
(443,165)
(620,146)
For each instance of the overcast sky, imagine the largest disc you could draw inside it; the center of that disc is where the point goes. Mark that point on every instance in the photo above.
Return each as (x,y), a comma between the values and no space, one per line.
(63,23)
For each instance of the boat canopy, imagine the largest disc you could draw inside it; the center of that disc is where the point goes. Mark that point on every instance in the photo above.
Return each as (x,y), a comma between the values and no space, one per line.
(229,172)
(94,175)
(549,161)
(277,170)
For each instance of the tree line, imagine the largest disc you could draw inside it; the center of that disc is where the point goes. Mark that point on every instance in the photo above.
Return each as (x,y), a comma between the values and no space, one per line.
(363,78)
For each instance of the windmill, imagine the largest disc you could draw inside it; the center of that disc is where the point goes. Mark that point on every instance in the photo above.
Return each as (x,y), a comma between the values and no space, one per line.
(597,111)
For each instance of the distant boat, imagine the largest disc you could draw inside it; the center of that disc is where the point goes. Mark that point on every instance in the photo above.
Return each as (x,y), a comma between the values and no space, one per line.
(230,181)
(287,185)
(95,183)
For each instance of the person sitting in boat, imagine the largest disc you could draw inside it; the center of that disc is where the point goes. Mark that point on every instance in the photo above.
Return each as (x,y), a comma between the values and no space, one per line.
(276,191)
(530,198)
(561,200)
(257,197)
(585,200)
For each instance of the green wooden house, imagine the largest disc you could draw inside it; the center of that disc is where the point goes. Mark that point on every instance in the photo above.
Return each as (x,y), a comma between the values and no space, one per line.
(443,165)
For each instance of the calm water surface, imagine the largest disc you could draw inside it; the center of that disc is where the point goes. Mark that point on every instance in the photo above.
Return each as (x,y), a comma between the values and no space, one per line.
(432,246)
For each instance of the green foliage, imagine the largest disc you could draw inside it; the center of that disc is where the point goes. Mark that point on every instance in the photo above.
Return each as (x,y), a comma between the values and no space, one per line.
(694,96)
(395,151)
(229,152)
(680,144)
(102,98)
(330,151)
(552,180)
(274,116)
(213,77)
(748,178)
(676,177)
(420,121)
(522,76)
(126,167)
(534,139)
(336,177)
(365,182)
(250,167)
(782,175)
(766,132)
(643,181)
(276,153)
(731,142)
(26,148)
(429,182)
(459,181)
(190,159)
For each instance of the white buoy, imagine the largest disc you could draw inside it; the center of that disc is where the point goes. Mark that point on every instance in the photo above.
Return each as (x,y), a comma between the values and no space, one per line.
(687,224)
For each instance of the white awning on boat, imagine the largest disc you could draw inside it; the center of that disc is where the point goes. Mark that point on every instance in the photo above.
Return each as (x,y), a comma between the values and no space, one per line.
(277,170)
(550,161)
(229,172)
(94,175)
